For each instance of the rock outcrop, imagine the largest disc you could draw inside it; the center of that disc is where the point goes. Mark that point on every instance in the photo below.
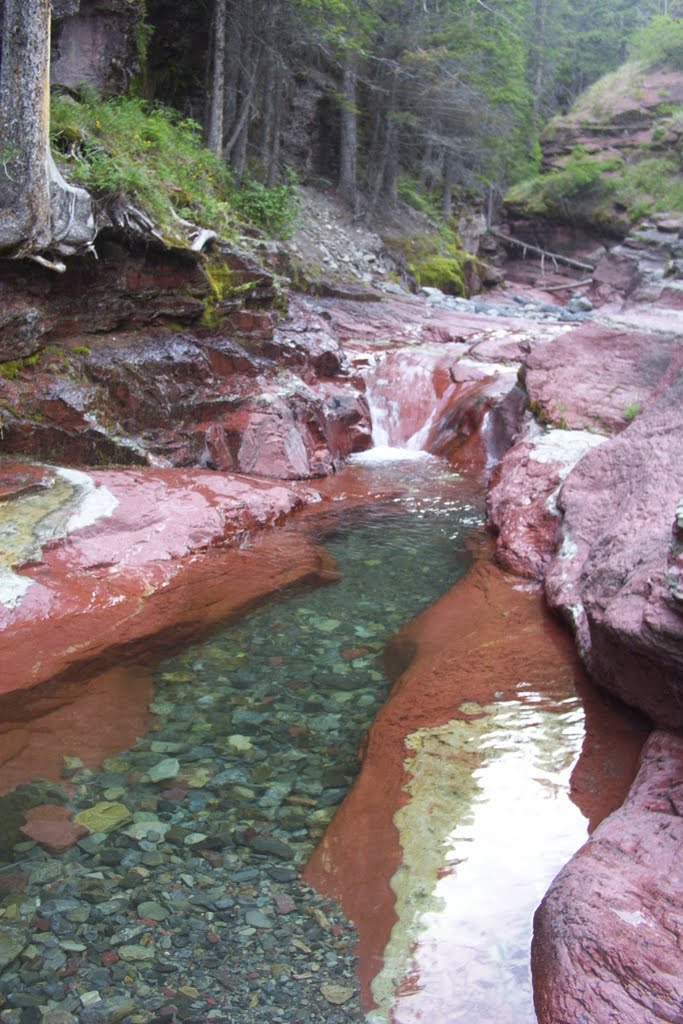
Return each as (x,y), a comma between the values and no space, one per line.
(596,516)
(94,44)
(621,114)
(115,557)
(608,934)
(611,576)
(606,164)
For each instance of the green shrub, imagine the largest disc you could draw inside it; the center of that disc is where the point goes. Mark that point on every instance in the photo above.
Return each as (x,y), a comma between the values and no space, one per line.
(272,209)
(155,157)
(659,42)
(654,184)
(420,200)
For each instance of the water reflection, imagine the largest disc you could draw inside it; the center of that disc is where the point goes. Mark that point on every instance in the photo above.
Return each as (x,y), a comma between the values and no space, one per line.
(491,798)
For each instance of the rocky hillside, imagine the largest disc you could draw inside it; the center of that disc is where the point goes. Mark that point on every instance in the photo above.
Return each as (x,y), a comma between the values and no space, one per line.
(615,158)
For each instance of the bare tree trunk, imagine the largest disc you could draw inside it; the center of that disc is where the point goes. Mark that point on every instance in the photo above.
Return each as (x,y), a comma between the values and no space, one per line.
(25,218)
(241,127)
(448,176)
(426,171)
(271,77)
(214,135)
(274,162)
(348,169)
(232,66)
(540,27)
(386,172)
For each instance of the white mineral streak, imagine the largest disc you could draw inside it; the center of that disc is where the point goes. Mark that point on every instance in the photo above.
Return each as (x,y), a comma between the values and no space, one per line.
(27,523)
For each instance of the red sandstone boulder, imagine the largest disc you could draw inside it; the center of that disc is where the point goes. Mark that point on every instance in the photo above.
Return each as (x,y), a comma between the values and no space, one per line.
(611,575)
(608,934)
(141,553)
(51,827)
(521,501)
(171,398)
(595,378)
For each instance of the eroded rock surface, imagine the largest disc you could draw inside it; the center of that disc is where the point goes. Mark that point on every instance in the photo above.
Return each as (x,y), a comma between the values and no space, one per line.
(149,553)
(603,528)
(522,500)
(619,507)
(608,935)
(595,377)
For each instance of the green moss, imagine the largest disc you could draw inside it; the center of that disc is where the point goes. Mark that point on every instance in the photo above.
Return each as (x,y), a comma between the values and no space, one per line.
(11,369)
(629,412)
(537,411)
(81,350)
(443,272)
(224,286)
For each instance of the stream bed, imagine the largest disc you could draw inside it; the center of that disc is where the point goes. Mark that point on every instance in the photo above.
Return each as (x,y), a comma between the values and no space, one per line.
(184,901)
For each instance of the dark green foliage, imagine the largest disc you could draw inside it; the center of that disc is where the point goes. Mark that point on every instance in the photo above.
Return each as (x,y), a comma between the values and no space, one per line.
(273,209)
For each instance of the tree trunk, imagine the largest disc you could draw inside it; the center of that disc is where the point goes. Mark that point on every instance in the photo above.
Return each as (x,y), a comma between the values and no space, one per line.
(540,28)
(214,135)
(25,219)
(448,176)
(386,171)
(274,162)
(348,169)
(426,170)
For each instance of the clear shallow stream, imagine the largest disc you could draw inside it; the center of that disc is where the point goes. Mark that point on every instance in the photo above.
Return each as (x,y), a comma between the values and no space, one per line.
(276,705)
(254,746)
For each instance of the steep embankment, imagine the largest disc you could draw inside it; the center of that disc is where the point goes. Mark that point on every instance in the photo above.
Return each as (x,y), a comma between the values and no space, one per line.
(613,159)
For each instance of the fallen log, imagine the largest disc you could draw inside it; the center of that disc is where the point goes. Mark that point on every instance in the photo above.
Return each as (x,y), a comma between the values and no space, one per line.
(537,251)
(568,286)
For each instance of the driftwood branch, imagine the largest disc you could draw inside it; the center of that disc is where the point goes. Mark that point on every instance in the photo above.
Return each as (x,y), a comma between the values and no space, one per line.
(527,247)
(570,285)
(56,265)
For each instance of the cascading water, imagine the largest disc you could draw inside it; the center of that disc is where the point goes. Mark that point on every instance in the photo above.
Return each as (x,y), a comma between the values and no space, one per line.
(430,400)
(404,388)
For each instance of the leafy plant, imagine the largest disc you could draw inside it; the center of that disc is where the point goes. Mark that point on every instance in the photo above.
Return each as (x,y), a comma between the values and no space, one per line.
(659,42)
(273,209)
(155,157)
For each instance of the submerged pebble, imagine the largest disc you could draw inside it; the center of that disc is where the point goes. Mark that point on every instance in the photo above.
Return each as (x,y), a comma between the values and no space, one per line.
(184,903)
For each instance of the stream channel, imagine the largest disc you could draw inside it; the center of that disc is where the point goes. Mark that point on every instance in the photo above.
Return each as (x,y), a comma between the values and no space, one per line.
(253,746)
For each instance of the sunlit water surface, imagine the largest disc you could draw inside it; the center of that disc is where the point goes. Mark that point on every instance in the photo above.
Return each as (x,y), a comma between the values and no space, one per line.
(501,826)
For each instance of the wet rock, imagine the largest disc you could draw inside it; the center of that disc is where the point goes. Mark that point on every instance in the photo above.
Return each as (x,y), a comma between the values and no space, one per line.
(610,577)
(608,934)
(12,942)
(528,530)
(51,827)
(103,817)
(164,770)
(162,521)
(273,846)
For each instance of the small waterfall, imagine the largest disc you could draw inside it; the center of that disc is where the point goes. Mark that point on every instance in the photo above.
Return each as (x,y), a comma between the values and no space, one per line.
(401,394)
(421,400)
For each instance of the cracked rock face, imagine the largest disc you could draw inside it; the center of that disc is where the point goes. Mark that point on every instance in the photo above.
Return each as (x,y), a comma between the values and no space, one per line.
(618,507)
(608,934)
